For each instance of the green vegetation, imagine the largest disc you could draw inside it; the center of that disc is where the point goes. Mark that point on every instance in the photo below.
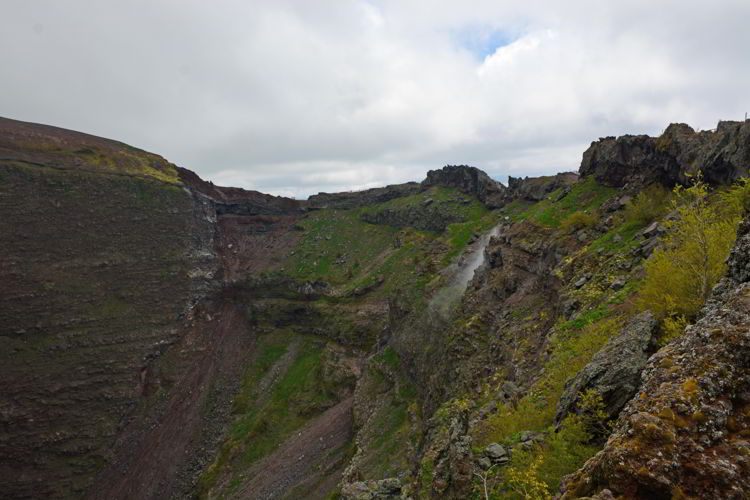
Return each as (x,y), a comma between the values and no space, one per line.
(649,205)
(680,276)
(541,468)
(621,238)
(268,410)
(585,196)
(340,248)
(576,221)
(571,351)
(114,157)
(587,318)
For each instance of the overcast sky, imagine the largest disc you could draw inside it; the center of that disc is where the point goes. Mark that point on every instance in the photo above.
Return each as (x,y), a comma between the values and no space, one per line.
(296,97)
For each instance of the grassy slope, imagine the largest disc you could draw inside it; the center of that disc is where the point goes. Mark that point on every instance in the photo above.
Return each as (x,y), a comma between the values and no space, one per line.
(571,344)
(340,248)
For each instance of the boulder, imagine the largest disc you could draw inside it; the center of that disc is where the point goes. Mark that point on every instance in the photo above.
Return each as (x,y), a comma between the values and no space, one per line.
(581,281)
(615,371)
(496,453)
(618,284)
(383,489)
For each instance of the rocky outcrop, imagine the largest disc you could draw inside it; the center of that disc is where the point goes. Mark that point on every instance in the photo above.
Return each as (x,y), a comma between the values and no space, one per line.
(469,180)
(355,199)
(384,489)
(721,156)
(687,433)
(426,218)
(615,371)
(537,188)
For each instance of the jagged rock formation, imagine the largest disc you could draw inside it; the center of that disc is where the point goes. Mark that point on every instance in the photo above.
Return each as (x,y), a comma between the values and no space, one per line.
(469,180)
(429,217)
(686,433)
(363,198)
(537,188)
(721,156)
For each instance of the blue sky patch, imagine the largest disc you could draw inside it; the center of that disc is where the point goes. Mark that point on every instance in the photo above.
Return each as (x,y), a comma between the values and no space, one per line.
(483,41)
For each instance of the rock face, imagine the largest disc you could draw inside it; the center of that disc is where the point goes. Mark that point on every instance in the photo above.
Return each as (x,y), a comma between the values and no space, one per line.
(537,188)
(427,218)
(687,433)
(469,180)
(720,156)
(384,489)
(97,270)
(615,371)
(119,314)
(366,197)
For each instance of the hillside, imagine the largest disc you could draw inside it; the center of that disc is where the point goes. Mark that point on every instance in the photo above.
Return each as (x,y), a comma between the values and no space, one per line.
(164,337)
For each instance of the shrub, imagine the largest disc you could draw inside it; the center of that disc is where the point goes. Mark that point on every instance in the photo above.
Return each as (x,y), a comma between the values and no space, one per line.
(679,277)
(526,481)
(649,205)
(577,220)
(736,199)
(593,414)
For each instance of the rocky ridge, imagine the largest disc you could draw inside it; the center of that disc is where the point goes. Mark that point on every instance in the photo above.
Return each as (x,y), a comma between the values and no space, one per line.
(720,156)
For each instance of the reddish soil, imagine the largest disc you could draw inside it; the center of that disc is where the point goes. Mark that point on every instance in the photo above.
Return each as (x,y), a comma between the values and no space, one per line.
(252,244)
(213,348)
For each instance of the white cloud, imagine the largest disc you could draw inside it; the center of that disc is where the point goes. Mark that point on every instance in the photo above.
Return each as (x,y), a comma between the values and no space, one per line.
(293,97)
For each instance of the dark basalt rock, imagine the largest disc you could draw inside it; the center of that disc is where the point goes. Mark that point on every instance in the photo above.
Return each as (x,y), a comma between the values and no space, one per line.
(355,199)
(720,156)
(426,218)
(615,371)
(469,180)
(537,188)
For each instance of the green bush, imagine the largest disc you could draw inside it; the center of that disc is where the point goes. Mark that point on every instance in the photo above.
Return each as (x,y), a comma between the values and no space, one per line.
(680,276)
(649,205)
(576,221)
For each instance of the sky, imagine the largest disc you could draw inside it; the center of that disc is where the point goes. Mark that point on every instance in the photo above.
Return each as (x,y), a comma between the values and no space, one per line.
(296,97)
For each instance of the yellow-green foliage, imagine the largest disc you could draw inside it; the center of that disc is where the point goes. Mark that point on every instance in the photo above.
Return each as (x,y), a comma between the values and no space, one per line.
(736,200)
(680,276)
(576,221)
(526,483)
(537,472)
(649,205)
(592,413)
(586,195)
(672,327)
(571,351)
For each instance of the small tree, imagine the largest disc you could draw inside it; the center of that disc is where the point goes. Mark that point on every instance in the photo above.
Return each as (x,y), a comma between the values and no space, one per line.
(680,277)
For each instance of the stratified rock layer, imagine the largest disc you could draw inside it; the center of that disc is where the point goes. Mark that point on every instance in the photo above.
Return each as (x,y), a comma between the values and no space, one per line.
(96,271)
